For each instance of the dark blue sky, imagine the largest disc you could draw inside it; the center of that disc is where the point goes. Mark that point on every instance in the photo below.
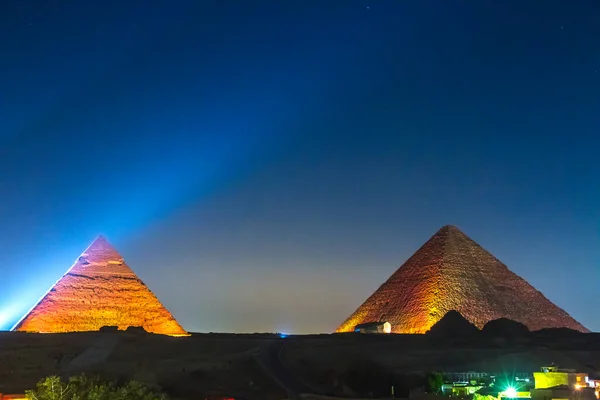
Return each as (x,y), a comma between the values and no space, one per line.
(265,165)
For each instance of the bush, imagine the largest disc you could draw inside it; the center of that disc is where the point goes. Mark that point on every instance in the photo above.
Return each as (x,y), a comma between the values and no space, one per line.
(85,388)
(434,382)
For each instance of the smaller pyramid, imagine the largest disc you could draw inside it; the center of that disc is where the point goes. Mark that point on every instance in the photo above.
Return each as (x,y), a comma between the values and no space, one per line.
(99,290)
(453,325)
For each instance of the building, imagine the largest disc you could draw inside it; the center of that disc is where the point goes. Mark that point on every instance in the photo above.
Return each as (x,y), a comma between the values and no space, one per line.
(487,386)
(595,383)
(464,384)
(563,392)
(374,327)
(550,383)
(552,376)
(466,376)
(553,383)
(460,389)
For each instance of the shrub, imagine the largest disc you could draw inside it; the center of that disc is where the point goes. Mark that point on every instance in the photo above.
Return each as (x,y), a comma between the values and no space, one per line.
(85,388)
(434,382)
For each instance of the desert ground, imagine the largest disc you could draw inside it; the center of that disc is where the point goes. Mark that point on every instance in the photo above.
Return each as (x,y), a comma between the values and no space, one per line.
(266,366)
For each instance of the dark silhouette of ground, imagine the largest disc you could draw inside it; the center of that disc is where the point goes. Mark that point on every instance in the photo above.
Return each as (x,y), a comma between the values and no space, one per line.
(255,367)
(505,328)
(269,359)
(559,333)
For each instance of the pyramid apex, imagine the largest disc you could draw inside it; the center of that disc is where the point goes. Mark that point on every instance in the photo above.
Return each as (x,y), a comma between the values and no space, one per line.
(100,251)
(101,241)
(450,228)
(100,238)
(448,231)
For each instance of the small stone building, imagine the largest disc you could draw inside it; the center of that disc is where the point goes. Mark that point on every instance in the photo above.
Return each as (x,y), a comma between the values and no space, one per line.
(374,327)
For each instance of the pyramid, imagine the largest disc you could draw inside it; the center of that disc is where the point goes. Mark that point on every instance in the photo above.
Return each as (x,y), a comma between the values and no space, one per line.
(99,290)
(452,272)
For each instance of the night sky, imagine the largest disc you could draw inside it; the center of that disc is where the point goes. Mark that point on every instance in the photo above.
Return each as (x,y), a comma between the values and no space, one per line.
(266,165)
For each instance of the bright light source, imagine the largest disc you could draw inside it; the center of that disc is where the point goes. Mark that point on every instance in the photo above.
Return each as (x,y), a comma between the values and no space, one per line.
(4,317)
(387,327)
(8,315)
(577,386)
(510,392)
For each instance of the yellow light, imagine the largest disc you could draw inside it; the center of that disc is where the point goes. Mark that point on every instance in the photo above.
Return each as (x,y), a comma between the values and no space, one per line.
(387,327)
(577,386)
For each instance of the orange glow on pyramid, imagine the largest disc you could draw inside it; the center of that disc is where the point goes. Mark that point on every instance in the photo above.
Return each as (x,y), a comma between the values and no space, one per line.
(452,272)
(99,290)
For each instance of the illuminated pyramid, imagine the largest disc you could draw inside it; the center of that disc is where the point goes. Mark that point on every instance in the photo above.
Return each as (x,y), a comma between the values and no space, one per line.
(99,290)
(452,272)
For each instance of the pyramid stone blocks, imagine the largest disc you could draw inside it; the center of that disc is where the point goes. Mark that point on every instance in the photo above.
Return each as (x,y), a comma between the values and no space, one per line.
(452,272)
(99,290)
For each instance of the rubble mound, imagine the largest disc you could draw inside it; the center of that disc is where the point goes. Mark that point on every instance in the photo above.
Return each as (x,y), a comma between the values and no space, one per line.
(136,330)
(558,333)
(505,327)
(110,329)
(453,324)
(452,272)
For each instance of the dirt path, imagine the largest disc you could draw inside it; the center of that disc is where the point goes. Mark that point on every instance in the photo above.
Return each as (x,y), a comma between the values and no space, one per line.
(269,359)
(97,353)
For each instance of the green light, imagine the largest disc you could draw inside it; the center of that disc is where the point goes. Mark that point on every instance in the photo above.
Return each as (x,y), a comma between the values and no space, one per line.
(510,392)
